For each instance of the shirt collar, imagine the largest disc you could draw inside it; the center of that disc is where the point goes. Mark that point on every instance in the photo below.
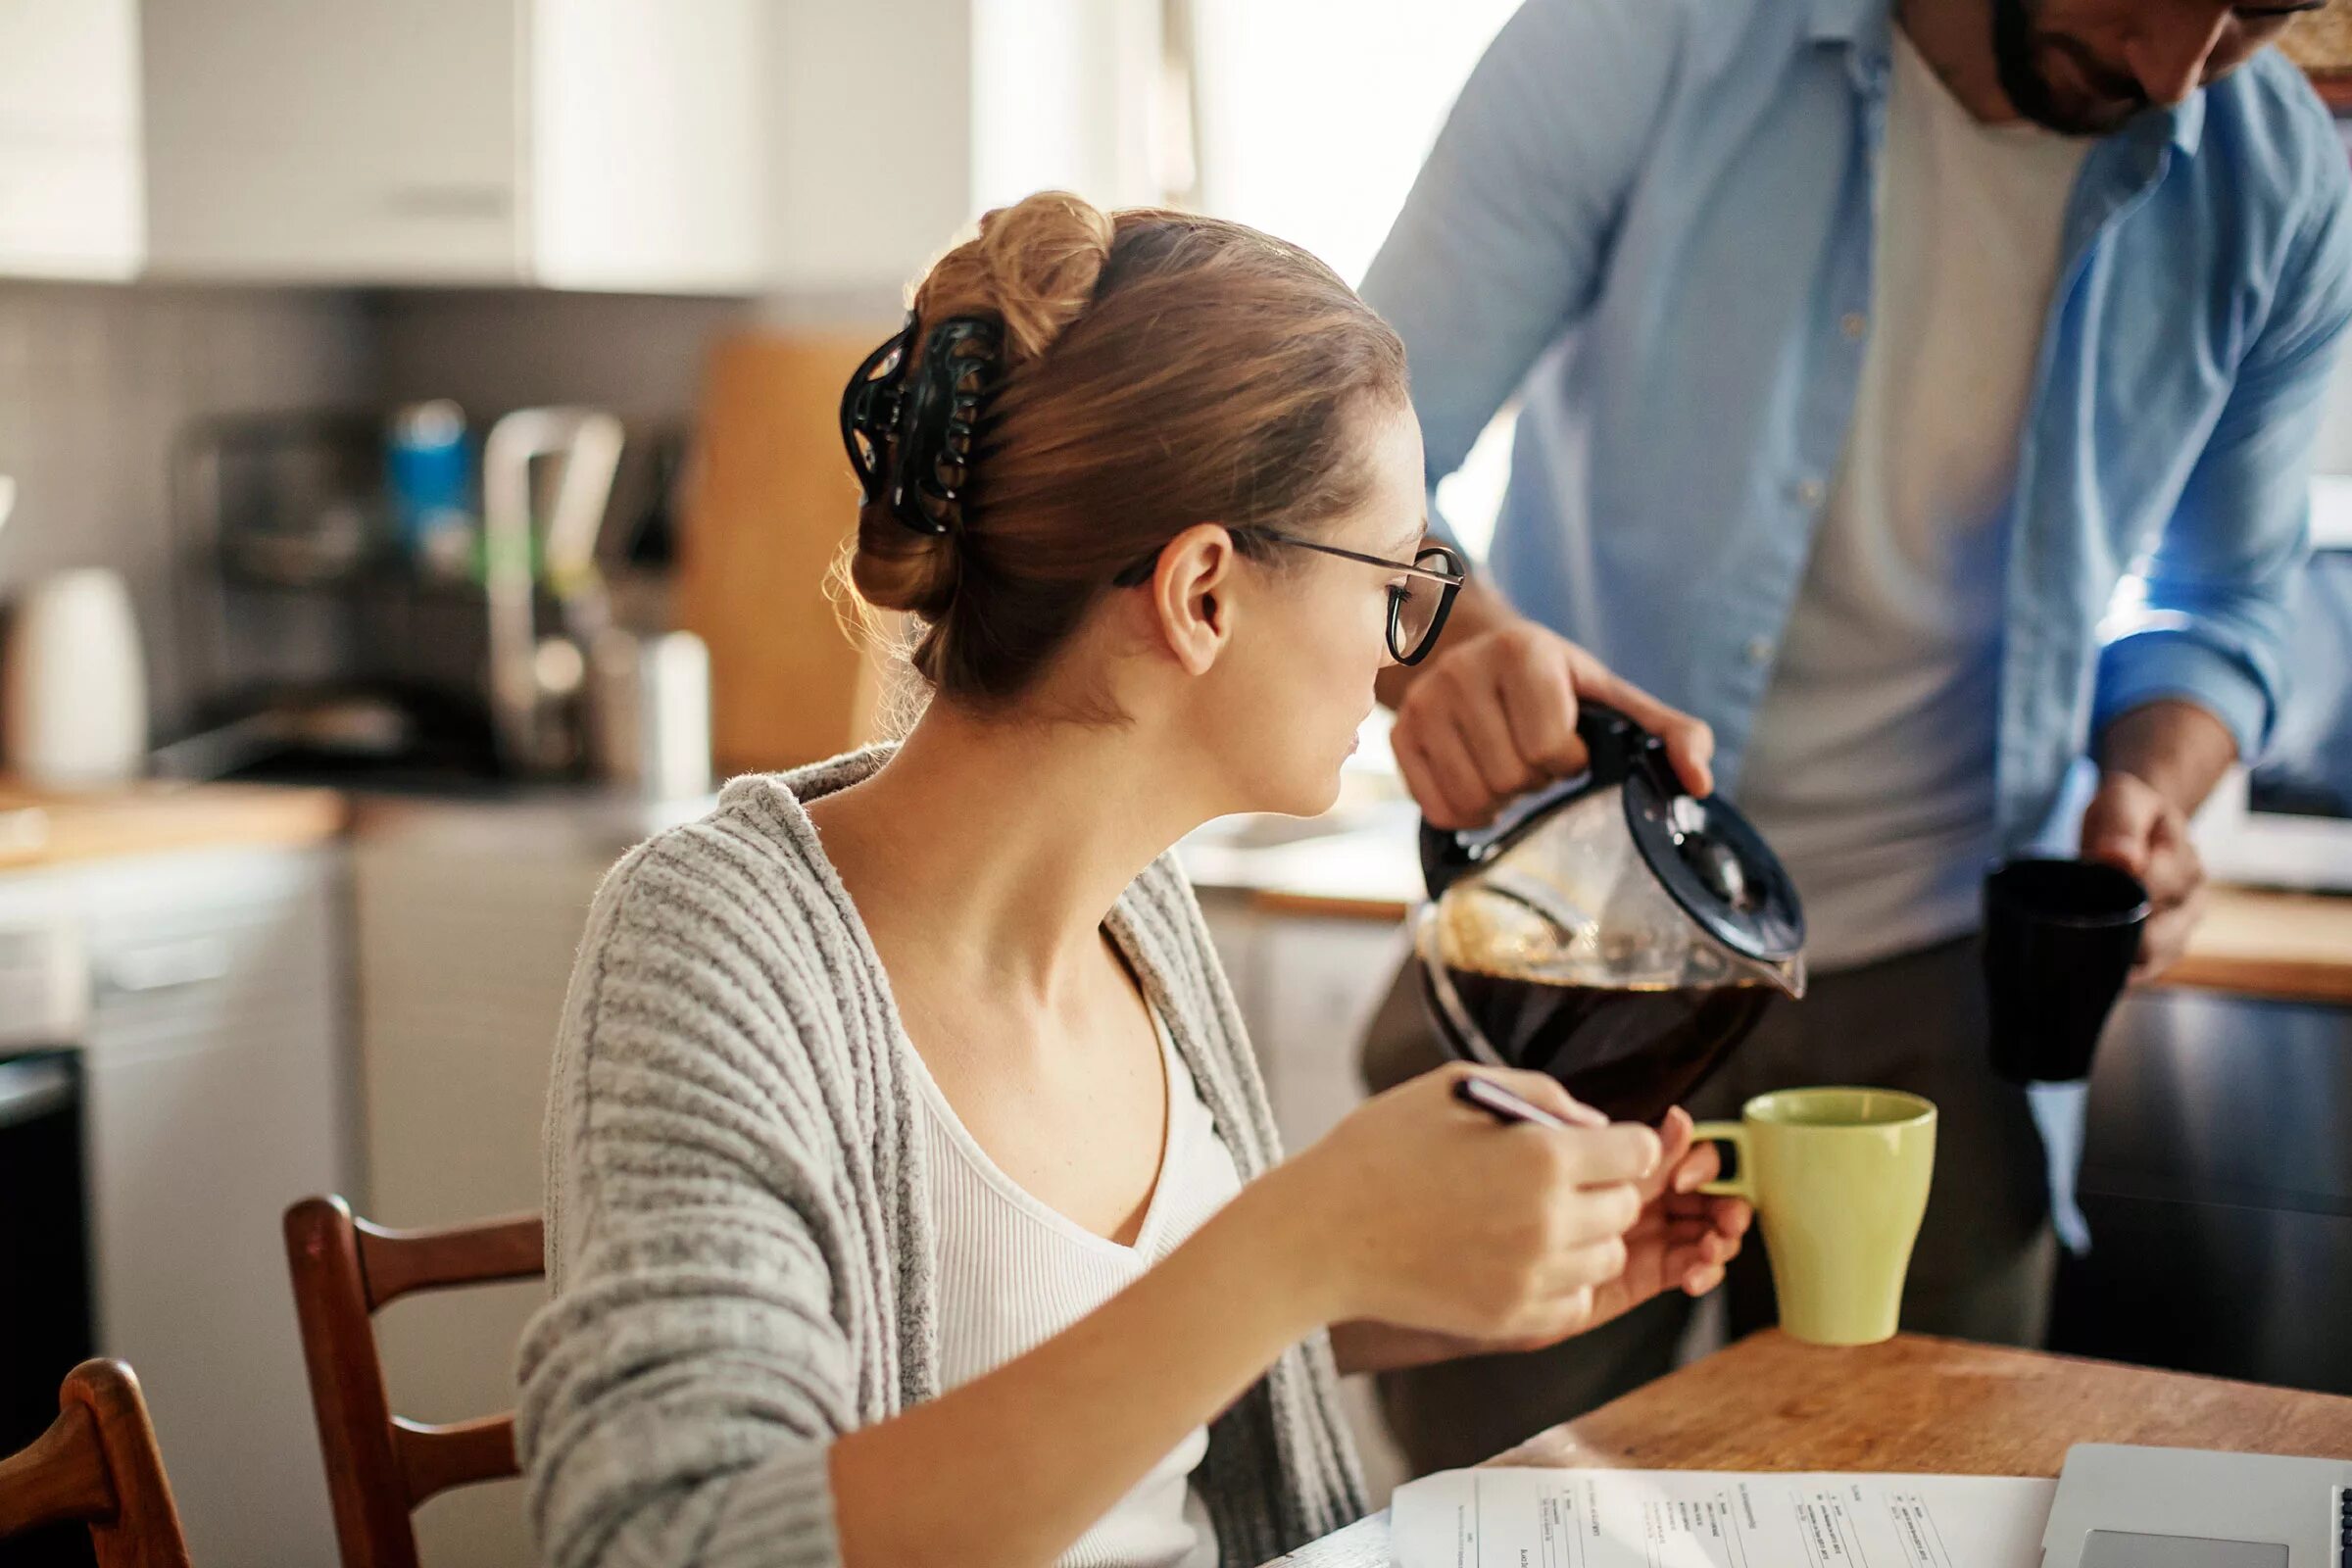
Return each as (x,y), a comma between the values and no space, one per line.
(1867,26)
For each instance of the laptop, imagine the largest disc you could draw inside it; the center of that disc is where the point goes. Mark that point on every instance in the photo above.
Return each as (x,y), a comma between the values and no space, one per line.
(2122,1507)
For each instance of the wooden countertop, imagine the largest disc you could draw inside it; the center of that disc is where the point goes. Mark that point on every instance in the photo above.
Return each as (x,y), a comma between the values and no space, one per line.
(1912,1406)
(47,827)
(2291,945)
(2296,946)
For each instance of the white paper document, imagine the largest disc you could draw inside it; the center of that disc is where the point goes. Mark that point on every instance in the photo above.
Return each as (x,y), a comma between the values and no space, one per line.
(1716,1519)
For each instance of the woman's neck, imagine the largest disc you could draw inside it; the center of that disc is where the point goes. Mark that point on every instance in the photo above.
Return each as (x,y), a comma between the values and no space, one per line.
(996,849)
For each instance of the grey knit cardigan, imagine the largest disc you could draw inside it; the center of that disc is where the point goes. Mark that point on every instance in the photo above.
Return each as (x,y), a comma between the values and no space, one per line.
(738,1240)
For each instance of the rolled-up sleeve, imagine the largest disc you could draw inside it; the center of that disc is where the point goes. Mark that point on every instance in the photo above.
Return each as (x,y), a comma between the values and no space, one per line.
(2211,627)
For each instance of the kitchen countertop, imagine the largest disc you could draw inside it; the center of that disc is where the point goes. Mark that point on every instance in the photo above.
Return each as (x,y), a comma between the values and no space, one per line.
(2290,945)
(42,828)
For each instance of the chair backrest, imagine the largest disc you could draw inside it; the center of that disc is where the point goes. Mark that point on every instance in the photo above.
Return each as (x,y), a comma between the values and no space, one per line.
(379,1467)
(97,1463)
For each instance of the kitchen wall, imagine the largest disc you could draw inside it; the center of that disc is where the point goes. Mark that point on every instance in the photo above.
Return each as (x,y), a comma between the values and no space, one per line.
(498,349)
(95,380)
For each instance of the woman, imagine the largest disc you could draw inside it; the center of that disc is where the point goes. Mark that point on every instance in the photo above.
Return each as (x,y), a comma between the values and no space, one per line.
(912,1196)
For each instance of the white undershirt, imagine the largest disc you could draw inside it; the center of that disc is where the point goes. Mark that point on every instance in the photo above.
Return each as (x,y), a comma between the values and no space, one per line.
(1015,1272)
(1871,765)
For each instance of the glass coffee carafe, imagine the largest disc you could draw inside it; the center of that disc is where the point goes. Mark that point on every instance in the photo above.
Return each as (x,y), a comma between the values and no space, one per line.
(1617,932)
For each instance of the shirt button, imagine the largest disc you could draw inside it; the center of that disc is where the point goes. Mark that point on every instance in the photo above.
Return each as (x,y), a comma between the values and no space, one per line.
(1853,325)
(1810,491)
(1758,649)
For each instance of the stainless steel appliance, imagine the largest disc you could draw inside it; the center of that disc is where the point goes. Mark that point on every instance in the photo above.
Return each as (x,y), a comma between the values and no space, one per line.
(2217,1180)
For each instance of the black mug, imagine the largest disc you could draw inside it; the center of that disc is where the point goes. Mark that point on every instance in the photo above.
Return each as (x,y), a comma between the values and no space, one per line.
(2060,939)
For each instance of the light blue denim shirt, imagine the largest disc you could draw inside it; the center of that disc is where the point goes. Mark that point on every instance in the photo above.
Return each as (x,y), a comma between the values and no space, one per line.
(1653,219)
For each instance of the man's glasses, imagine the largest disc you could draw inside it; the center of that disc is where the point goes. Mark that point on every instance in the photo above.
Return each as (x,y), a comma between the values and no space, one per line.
(1417,607)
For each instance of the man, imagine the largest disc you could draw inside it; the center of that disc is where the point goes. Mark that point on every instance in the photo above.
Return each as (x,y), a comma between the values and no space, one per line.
(1865,349)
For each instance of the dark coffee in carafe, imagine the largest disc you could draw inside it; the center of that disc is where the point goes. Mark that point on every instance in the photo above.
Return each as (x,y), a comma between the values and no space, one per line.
(1632,1055)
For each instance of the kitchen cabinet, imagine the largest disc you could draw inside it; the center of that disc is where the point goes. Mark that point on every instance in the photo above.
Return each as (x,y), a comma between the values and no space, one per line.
(1096,109)
(70,188)
(218,1092)
(593,144)
(467,917)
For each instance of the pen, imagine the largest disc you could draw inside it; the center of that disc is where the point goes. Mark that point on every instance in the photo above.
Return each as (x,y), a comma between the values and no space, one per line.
(1503,1105)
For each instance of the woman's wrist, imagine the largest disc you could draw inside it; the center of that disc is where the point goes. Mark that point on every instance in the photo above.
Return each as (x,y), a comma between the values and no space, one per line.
(1276,1222)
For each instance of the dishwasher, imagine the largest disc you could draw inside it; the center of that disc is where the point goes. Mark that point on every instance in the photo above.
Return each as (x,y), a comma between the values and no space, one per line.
(46,1321)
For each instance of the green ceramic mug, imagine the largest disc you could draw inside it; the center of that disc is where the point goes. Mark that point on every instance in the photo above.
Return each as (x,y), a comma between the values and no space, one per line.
(1839,1180)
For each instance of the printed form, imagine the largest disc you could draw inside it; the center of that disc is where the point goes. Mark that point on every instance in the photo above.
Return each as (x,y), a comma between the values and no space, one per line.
(1716,1519)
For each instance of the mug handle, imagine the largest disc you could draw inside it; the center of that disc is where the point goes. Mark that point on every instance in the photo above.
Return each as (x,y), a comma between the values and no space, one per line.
(1735,1135)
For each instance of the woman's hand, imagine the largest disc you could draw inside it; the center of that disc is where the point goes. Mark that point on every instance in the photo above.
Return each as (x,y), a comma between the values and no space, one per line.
(1684,1239)
(1681,1240)
(1425,1212)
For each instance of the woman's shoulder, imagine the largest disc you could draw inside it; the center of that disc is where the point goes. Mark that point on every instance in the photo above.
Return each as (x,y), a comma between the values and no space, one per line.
(1161,908)
(735,919)
(752,866)
(723,1008)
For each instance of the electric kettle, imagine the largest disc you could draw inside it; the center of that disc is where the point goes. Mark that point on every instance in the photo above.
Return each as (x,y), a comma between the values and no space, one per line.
(1615,931)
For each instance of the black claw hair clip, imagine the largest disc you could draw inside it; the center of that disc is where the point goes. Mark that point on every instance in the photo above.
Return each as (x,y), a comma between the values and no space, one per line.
(910,429)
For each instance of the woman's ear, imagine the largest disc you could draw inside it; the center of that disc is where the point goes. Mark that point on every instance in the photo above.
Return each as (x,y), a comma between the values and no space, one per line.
(1188,595)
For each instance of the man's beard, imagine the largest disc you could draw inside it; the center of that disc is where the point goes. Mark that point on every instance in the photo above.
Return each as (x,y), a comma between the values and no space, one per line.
(2030,91)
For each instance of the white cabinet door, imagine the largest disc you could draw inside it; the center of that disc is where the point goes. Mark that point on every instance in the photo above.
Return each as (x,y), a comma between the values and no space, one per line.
(70,194)
(217,1093)
(354,141)
(464,951)
(610,144)
(650,166)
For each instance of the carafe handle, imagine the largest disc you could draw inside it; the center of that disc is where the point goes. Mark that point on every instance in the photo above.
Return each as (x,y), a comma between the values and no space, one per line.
(1615,742)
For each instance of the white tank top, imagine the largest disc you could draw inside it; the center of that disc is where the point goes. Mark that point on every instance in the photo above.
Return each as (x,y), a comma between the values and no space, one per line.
(1015,1272)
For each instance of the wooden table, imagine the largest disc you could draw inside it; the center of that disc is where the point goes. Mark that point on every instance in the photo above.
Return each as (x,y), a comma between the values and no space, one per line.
(1912,1406)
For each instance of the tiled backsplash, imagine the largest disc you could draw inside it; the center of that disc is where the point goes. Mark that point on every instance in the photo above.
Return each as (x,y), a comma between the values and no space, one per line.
(96,380)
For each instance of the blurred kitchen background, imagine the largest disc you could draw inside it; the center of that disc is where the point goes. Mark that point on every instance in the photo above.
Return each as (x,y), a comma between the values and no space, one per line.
(418,417)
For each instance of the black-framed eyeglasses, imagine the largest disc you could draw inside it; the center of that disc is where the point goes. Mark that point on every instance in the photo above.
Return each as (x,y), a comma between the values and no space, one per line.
(1417,607)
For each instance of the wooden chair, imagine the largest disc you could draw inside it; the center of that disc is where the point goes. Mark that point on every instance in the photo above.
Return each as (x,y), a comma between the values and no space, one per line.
(379,1466)
(98,1463)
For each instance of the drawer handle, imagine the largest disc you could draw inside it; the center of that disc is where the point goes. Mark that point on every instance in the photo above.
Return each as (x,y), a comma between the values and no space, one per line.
(465,204)
(168,966)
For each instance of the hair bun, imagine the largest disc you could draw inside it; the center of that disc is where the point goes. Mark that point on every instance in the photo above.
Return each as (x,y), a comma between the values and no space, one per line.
(894,567)
(1034,263)
(1033,266)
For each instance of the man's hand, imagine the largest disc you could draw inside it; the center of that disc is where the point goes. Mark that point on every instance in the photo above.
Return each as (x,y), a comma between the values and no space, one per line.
(2157,763)
(2130,826)
(1492,717)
